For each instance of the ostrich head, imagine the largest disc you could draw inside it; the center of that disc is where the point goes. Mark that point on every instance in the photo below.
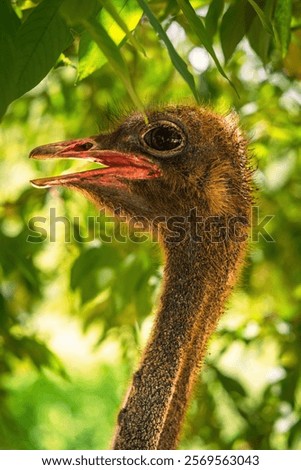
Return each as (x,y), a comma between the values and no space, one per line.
(178,159)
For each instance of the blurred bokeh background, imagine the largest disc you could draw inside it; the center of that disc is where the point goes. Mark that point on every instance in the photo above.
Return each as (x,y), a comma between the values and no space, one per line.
(75,311)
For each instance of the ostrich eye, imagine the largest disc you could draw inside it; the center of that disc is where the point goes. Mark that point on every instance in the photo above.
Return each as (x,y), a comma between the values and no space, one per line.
(164,139)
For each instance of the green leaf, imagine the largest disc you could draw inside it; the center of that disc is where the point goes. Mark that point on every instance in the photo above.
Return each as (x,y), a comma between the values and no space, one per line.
(213,15)
(74,11)
(294,435)
(37,352)
(289,386)
(9,21)
(233,28)
(229,384)
(91,260)
(107,46)
(259,38)
(91,58)
(114,57)
(9,24)
(265,20)
(16,258)
(177,61)
(7,52)
(109,6)
(39,42)
(282,19)
(199,29)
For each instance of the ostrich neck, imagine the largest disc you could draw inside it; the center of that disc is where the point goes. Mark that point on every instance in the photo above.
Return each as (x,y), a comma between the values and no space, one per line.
(205,278)
(198,276)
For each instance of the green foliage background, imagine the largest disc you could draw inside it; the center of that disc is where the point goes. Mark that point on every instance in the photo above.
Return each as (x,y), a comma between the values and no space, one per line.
(75,312)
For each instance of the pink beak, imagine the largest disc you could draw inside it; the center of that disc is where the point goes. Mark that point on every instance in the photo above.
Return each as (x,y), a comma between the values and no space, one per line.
(119,165)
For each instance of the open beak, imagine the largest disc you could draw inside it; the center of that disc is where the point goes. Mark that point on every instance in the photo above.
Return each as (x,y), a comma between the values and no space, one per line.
(119,166)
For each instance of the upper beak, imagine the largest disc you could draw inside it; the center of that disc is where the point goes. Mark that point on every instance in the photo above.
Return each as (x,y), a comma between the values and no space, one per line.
(118,164)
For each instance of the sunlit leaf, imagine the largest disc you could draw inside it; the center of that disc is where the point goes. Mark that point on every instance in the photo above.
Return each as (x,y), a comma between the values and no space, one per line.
(114,57)
(91,58)
(110,7)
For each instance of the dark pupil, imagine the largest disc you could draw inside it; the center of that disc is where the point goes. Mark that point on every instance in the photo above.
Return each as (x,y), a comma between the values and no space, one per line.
(163,138)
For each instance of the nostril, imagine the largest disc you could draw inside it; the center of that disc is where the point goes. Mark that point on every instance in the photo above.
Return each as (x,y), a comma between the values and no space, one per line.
(83,147)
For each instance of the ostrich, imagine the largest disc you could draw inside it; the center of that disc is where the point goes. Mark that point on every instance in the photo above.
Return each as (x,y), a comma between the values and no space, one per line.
(182,170)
